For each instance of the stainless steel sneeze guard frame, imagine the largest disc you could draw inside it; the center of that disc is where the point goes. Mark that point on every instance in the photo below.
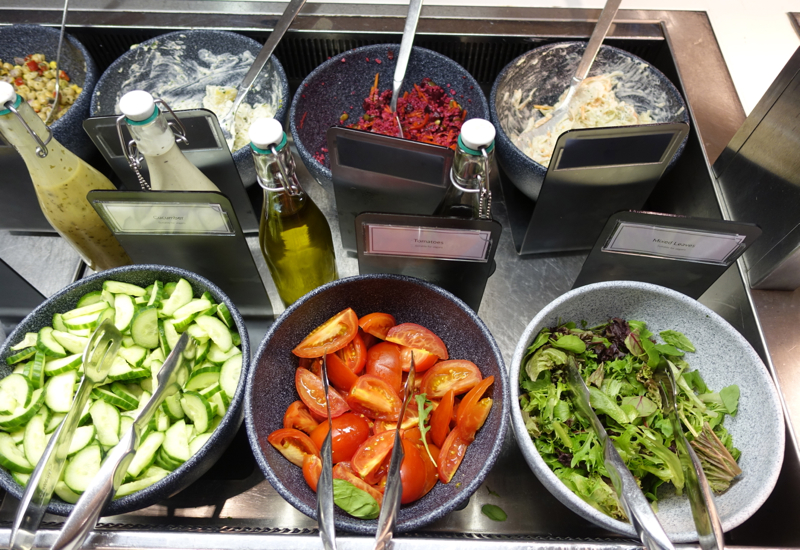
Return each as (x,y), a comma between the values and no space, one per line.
(242,511)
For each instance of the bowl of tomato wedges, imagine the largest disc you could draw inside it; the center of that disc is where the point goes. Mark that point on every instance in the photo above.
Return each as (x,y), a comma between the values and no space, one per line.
(368,328)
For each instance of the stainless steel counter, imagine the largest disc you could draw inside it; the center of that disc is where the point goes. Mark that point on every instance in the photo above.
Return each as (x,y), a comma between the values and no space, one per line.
(241,510)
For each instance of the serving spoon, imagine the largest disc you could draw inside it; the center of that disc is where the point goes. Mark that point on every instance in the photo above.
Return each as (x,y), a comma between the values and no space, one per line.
(410,29)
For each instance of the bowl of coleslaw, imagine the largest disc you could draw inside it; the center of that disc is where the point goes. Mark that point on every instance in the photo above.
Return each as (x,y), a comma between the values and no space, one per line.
(621,90)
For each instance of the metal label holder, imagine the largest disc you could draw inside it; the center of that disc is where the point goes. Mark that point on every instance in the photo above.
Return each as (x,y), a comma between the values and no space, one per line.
(376,173)
(194,230)
(19,298)
(453,253)
(684,254)
(594,172)
(207,150)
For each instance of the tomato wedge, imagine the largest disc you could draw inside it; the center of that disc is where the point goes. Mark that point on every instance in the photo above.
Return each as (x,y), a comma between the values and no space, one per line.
(474,418)
(422,359)
(339,375)
(417,337)
(451,455)
(344,471)
(312,394)
(440,418)
(354,354)
(412,472)
(473,396)
(458,375)
(293,444)
(377,324)
(383,361)
(298,416)
(369,456)
(373,397)
(331,336)
(349,432)
(312,469)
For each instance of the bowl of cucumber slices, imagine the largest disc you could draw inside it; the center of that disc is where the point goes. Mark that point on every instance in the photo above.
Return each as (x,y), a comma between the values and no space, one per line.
(152,305)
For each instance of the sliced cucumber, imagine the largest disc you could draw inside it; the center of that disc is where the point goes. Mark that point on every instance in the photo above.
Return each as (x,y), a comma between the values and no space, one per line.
(66,494)
(139,484)
(229,375)
(217,331)
(156,292)
(105,394)
(176,444)
(134,355)
(83,436)
(196,305)
(62,365)
(198,410)
(123,311)
(92,309)
(181,296)
(218,357)
(53,422)
(70,342)
(82,468)
(12,459)
(21,415)
(90,298)
(203,378)
(36,372)
(144,328)
(106,421)
(59,391)
(47,344)
(35,439)
(22,479)
(22,355)
(146,453)
(120,390)
(218,404)
(18,387)
(172,406)
(197,442)
(225,315)
(121,370)
(28,341)
(118,287)
(7,402)
(58,322)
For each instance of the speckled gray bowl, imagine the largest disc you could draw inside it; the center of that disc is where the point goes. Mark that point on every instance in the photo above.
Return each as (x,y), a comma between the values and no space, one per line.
(270,385)
(22,40)
(546,70)
(192,469)
(341,83)
(723,357)
(270,86)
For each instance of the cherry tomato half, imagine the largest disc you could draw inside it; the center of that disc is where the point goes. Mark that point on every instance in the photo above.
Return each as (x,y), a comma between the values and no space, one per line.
(369,456)
(412,472)
(440,418)
(331,336)
(339,375)
(458,375)
(473,396)
(344,471)
(312,394)
(373,397)
(293,444)
(451,455)
(312,469)
(377,324)
(422,359)
(473,411)
(417,337)
(298,416)
(349,432)
(383,361)
(354,354)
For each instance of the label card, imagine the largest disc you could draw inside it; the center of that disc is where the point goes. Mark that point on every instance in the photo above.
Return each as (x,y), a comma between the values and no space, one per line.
(674,243)
(165,218)
(426,242)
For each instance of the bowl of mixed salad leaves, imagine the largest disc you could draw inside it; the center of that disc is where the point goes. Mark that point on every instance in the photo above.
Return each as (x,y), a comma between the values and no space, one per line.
(618,332)
(152,305)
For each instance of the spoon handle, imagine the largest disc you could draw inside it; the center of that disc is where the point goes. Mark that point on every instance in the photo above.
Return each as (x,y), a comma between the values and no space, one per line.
(414,9)
(596,40)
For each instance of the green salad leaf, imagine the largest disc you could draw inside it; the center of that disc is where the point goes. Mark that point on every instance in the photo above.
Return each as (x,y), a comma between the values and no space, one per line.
(617,360)
(494,513)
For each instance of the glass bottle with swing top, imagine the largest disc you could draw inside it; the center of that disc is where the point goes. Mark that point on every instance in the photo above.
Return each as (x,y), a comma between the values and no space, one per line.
(468,195)
(294,235)
(61,181)
(154,139)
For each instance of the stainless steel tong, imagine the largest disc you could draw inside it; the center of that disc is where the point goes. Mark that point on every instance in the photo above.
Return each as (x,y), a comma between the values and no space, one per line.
(704,511)
(394,485)
(327,528)
(88,508)
(97,358)
(633,500)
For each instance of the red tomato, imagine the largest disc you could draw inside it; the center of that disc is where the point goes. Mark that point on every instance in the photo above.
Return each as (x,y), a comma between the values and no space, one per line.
(293,444)
(312,469)
(422,359)
(331,336)
(369,340)
(354,354)
(349,432)
(473,396)
(312,394)
(412,472)
(459,375)
(417,337)
(383,361)
(440,418)
(344,471)
(451,455)
(474,418)
(369,456)
(373,397)
(339,375)
(410,420)
(377,324)
(298,416)
(431,472)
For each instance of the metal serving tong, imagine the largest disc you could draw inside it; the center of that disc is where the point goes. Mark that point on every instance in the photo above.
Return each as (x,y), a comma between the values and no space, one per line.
(97,358)
(327,529)
(704,511)
(394,485)
(633,500)
(88,508)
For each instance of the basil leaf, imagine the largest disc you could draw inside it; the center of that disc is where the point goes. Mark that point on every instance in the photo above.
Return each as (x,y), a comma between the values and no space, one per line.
(494,513)
(730,398)
(570,342)
(354,501)
(677,339)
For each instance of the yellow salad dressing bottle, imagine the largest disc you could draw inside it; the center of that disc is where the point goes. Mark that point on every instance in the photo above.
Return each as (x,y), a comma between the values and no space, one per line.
(61,181)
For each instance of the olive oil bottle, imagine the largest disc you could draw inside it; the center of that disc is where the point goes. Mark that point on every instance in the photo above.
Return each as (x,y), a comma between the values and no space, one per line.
(294,235)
